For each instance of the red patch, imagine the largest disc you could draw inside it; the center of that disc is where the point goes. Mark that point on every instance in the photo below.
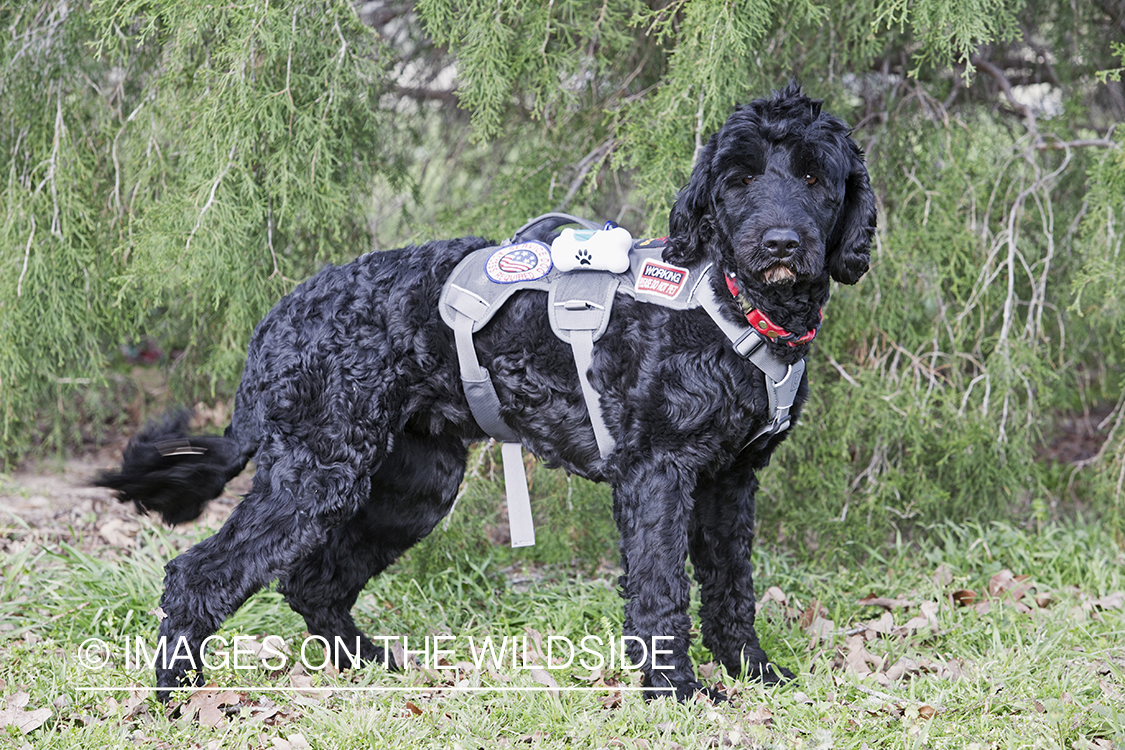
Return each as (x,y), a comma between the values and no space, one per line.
(661,279)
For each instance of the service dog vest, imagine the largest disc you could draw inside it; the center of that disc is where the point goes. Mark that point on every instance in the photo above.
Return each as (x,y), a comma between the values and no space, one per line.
(579,305)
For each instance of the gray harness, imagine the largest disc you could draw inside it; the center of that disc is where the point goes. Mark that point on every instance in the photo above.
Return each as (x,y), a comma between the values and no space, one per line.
(579,304)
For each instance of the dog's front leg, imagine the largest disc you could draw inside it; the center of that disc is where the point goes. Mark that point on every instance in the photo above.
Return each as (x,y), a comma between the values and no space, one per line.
(722,533)
(652,507)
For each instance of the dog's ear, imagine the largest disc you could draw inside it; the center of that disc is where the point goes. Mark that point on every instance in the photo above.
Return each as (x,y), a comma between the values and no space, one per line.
(849,243)
(690,222)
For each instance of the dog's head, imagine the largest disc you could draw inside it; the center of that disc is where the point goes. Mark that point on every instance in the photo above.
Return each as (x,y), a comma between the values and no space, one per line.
(781,194)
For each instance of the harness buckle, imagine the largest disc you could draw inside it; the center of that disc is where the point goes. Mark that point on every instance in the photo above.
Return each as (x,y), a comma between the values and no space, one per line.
(748,343)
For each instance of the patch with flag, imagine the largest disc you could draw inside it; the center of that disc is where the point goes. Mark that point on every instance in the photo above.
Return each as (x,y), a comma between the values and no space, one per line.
(524,261)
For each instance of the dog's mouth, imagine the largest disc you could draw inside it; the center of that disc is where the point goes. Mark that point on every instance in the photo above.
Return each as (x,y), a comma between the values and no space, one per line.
(779,274)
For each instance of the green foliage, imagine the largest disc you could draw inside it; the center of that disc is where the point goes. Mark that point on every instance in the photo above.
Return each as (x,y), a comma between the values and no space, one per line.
(177,169)
(170,171)
(951,30)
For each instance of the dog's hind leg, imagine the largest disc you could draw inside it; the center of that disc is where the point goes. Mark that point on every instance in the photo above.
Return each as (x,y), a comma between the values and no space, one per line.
(722,533)
(410,493)
(289,511)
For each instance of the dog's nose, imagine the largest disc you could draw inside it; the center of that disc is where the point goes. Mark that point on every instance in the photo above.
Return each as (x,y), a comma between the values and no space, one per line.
(780,243)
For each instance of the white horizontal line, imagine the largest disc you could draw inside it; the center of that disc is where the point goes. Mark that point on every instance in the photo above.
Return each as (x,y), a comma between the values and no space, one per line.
(395,689)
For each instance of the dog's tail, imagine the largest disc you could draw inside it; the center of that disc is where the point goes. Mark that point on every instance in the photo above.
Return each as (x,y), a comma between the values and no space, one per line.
(167,470)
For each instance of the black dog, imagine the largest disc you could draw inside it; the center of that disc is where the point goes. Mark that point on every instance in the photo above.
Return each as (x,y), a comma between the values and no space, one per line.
(353,411)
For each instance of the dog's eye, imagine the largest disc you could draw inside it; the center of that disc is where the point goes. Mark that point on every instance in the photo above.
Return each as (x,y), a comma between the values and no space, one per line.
(810,179)
(747,179)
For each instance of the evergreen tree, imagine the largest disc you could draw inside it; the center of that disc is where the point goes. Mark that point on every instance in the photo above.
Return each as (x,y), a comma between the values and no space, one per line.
(171,169)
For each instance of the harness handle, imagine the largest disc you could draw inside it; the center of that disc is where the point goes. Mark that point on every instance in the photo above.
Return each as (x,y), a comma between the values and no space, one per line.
(540,226)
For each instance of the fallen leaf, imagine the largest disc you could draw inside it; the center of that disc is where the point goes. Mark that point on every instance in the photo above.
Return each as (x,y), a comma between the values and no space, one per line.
(926,712)
(814,622)
(119,532)
(821,628)
(1005,582)
(270,648)
(926,617)
(25,721)
(207,705)
(773,594)
(963,597)
(760,716)
(543,677)
(413,708)
(613,700)
(538,653)
(298,742)
(857,658)
(871,600)
(1111,601)
(299,679)
(943,576)
(885,625)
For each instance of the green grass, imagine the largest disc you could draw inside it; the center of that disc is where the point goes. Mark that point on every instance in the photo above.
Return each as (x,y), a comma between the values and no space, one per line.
(1051,677)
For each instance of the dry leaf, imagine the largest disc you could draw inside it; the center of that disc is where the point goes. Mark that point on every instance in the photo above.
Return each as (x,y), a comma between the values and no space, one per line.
(926,617)
(304,683)
(543,677)
(413,708)
(963,597)
(538,653)
(207,706)
(613,700)
(761,716)
(885,625)
(821,628)
(1005,582)
(298,742)
(1111,601)
(857,659)
(119,532)
(773,594)
(943,576)
(25,721)
(871,600)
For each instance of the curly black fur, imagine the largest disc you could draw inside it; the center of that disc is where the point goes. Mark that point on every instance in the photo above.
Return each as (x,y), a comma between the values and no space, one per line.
(352,408)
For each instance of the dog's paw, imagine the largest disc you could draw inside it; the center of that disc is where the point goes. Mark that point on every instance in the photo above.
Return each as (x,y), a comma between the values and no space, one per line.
(772,674)
(175,678)
(682,691)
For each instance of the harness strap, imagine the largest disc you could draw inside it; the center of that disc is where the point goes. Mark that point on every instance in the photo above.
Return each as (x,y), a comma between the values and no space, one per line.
(582,344)
(546,223)
(782,380)
(747,342)
(580,305)
(479,391)
(521,527)
(485,406)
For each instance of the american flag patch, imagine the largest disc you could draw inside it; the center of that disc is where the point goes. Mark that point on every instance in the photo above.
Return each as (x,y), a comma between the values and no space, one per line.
(524,261)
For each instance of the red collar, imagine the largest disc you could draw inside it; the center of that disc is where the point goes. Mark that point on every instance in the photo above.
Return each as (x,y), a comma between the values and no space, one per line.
(761,323)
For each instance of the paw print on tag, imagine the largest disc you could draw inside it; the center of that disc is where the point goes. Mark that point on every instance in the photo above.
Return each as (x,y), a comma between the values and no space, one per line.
(583,256)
